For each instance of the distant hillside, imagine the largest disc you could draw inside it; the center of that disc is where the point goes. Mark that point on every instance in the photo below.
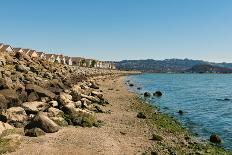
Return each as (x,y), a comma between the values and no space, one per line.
(206,68)
(164,66)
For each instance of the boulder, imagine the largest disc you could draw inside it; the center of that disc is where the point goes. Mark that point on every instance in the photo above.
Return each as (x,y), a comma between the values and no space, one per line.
(34,132)
(43,122)
(3,103)
(5,126)
(16,114)
(214,138)
(81,117)
(147,94)
(53,103)
(98,94)
(22,68)
(59,121)
(157,93)
(76,93)
(64,98)
(33,96)
(54,112)
(85,101)
(91,98)
(181,112)
(94,85)
(11,96)
(34,107)
(40,91)
(6,83)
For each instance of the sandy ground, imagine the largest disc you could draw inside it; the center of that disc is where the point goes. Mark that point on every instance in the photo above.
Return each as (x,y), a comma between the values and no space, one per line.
(123,133)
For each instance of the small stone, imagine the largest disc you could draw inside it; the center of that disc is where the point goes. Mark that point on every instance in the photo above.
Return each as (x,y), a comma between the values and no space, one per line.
(141,115)
(157,137)
(34,132)
(147,94)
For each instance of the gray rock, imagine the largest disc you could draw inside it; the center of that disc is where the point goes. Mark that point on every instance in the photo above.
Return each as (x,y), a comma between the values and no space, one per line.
(40,91)
(22,68)
(54,112)
(12,97)
(46,124)
(16,114)
(34,107)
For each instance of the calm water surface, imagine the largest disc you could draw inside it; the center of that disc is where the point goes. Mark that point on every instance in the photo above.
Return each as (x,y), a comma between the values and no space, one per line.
(201,96)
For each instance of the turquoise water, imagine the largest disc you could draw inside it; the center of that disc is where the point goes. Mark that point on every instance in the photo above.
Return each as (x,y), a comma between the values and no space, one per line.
(200,96)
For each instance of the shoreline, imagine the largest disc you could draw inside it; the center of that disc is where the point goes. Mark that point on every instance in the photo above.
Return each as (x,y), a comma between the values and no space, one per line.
(122,132)
(203,146)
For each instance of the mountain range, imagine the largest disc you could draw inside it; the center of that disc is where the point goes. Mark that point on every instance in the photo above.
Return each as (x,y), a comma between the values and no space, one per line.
(174,66)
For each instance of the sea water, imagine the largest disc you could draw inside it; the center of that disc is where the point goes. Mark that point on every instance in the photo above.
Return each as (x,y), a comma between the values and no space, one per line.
(205,99)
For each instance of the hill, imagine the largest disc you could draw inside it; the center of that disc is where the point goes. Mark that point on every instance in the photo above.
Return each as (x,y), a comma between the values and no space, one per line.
(164,66)
(206,68)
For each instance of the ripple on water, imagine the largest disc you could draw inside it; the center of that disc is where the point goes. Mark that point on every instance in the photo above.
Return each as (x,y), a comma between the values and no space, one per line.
(201,96)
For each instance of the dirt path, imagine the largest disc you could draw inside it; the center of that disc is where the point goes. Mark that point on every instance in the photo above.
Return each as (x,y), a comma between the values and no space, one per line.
(123,132)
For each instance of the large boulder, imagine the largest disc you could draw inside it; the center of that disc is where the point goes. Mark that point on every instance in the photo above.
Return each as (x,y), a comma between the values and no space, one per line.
(11,96)
(34,107)
(40,91)
(22,68)
(16,115)
(214,138)
(43,122)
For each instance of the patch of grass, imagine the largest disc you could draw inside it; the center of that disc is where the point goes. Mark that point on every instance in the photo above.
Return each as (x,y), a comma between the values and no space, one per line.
(8,145)
(166,124)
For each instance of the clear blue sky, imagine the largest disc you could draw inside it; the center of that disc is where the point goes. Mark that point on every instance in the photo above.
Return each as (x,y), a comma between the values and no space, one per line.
(121,29)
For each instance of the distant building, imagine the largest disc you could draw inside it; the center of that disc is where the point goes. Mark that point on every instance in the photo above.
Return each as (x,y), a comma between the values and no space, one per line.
(32,54)
(88,62)
(78,61)
(18,50)
(50,57)
(6,48)
(68,61)
(41,55)
(57,58)
(62,59)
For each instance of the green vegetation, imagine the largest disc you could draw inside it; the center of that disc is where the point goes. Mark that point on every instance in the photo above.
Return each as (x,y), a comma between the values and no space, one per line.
(170,126)
(9,144)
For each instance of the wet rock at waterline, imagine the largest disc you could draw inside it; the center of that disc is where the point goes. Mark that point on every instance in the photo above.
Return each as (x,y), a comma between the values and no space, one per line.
(157,94)
(214,138)
(147,94)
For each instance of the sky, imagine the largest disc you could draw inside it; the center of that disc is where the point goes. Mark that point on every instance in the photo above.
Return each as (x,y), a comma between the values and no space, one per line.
(121,29)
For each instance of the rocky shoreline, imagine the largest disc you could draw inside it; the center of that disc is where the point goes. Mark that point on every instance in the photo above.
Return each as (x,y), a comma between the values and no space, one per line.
(41,97)
(50,108)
